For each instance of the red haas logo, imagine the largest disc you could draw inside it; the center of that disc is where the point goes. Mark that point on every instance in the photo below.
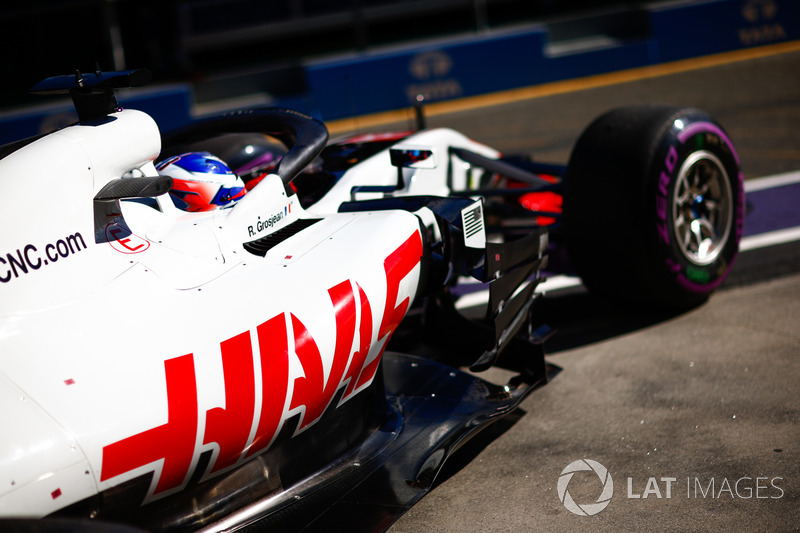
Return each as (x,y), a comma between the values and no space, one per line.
(229,427)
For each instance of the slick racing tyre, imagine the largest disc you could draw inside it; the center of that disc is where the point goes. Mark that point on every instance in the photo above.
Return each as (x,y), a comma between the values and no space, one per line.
(653,205)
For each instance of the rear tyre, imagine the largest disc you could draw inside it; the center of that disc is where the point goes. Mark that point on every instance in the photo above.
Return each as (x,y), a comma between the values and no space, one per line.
(653,205)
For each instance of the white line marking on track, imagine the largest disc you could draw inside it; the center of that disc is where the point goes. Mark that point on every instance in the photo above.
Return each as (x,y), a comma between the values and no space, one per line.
(770,238)
(553,283)
(473,299)
(752,242)
(770,182)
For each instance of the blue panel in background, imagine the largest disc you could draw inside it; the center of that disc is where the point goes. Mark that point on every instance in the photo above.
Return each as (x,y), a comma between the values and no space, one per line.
(441,71)
(599,60)
(697,29)
(169,105)
(454,68)
(459,68)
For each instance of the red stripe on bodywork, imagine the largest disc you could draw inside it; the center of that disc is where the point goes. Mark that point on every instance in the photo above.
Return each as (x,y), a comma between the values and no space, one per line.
(230,426)
(173,442)
(312,390)
(397,266)
(365,341)
(274,347)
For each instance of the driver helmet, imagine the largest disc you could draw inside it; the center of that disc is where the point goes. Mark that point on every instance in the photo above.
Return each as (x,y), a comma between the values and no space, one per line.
(201,182)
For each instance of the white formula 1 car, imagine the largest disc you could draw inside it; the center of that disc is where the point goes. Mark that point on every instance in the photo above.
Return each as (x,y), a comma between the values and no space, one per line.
(226,369)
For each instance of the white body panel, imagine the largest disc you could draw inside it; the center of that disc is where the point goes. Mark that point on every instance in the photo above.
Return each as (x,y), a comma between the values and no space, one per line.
(378,170)
(48,188)
(105,345)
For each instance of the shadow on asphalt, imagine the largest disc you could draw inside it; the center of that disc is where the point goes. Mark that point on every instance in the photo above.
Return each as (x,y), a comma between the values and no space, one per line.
(579,318)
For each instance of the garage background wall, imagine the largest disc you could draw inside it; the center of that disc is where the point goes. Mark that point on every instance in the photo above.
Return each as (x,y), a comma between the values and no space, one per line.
(335,60)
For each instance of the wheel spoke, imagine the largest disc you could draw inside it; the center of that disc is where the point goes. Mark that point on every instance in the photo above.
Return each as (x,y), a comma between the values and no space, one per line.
(701,210)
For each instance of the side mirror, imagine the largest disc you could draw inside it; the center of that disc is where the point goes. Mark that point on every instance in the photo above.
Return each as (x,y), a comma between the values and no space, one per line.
(412,158)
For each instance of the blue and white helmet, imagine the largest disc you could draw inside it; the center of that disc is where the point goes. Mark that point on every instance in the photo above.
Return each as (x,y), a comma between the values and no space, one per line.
(201,182)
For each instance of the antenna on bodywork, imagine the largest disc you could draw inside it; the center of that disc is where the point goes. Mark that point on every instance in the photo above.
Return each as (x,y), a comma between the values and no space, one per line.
(419,112)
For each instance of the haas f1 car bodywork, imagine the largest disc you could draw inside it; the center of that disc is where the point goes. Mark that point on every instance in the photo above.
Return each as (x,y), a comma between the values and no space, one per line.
(229,369)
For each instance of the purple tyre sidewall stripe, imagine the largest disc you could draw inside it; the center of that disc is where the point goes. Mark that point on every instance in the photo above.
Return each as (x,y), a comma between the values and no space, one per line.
(696,127)
(683,136)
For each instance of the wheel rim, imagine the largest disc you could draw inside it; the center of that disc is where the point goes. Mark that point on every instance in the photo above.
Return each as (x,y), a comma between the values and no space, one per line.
(702,208)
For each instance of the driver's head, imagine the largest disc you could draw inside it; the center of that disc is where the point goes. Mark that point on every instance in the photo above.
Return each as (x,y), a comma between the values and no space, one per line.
(201,182)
